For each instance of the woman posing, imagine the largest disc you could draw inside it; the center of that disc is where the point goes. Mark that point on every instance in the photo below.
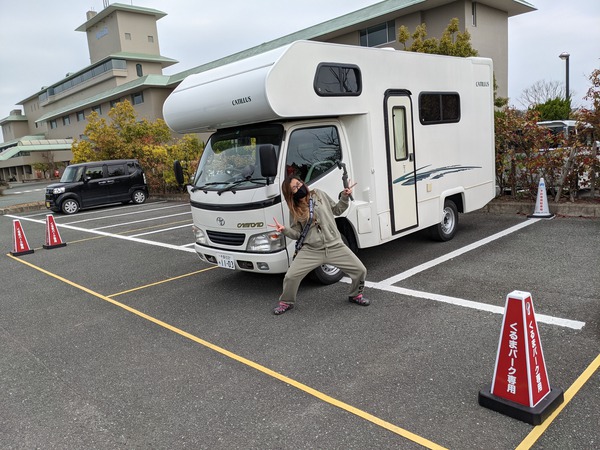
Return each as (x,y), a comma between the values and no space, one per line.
(318,241)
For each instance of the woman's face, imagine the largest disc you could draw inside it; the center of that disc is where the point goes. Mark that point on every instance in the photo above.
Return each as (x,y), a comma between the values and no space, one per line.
(299,190)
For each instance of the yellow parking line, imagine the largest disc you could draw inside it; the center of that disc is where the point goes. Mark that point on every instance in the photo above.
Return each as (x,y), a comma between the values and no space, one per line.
(324,397)
(535,434)
(161,282)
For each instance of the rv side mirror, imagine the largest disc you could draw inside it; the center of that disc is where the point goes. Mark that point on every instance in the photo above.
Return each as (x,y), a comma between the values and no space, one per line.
(268,161)
(178,172)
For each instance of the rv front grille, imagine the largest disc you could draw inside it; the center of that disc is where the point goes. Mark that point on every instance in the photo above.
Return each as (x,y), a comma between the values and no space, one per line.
(219,237)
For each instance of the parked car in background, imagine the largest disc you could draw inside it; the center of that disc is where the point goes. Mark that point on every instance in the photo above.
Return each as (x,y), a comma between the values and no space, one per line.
(97,183)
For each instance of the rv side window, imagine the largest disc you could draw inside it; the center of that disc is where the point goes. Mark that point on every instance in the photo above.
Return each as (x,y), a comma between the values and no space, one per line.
(400,144)
(439,107)
(312,152)
(337,80)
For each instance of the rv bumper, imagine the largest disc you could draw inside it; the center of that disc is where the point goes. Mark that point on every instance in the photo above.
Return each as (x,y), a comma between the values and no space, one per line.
(277,262)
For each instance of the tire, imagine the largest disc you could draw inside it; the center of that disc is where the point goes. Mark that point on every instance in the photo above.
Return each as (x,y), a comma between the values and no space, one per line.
(327,274)
(69,206)
(138,197)
(446,229)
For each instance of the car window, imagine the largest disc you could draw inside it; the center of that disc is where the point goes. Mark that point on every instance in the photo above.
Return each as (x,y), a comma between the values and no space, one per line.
(116,170)
(94,173)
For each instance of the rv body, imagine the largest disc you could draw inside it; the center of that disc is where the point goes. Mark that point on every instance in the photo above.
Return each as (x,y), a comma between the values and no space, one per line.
(414,132)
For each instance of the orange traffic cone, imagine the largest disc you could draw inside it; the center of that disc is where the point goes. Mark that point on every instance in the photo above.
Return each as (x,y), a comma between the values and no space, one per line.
(541,209)
(21,246)
(53,239)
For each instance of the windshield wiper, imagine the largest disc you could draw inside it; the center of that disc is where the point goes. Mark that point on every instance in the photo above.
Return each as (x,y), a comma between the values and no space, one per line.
(234,184)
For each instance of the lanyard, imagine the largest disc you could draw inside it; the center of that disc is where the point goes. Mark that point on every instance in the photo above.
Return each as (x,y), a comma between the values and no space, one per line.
(311,212)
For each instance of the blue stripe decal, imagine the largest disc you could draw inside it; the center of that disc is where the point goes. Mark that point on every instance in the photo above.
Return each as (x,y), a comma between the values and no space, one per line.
(422,174)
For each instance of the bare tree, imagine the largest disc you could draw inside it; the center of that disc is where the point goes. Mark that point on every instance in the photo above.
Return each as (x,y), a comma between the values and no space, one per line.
(540,92)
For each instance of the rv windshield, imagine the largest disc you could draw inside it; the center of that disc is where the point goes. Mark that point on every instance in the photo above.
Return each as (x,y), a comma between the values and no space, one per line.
(231,158)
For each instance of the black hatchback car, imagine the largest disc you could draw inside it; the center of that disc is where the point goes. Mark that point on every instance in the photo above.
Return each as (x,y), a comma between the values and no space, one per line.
(97,183)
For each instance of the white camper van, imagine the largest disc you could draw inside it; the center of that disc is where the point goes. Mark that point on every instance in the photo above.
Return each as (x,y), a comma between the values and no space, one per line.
(414,131)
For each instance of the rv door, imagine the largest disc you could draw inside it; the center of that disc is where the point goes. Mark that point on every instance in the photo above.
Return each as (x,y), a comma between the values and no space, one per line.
(401,160)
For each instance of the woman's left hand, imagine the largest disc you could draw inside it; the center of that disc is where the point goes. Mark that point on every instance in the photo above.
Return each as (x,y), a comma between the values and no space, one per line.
(348,191)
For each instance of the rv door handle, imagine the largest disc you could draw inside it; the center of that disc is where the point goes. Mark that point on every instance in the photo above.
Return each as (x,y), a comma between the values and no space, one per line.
(411,157)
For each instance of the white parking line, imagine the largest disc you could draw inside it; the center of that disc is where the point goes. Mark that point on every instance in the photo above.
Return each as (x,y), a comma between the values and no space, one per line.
(116,236)
(567,323)
(142,220)
(434,262)
(129,213)
(162,230)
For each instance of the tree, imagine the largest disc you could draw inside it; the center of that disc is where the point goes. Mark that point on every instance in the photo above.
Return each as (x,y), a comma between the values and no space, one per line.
(452,43)
(554,109)
(124,137)
(540,92)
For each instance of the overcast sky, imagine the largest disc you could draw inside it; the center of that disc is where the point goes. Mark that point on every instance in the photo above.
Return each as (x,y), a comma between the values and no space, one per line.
(38,44)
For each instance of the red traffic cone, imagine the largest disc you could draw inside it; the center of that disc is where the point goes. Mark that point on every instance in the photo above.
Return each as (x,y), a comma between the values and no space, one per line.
(53,239)
(21,246)
(520,386)
(541,209)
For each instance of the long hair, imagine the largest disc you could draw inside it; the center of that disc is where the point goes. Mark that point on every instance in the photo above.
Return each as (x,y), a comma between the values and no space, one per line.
(299,209)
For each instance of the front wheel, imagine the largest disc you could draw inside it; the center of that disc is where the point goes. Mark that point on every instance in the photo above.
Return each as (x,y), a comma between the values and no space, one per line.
(446,229)
(70,206)
(138,197)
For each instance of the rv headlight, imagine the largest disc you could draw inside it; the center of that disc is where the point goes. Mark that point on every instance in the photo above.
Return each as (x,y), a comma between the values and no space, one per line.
(268,242)
(59,190)
(199,235)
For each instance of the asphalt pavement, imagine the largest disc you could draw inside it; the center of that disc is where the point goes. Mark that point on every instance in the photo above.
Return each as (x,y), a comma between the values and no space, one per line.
(125,339)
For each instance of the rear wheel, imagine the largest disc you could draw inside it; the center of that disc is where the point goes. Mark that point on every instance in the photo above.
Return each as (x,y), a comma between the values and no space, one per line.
(138,197)
(328,274)
(446,229)
(70,206)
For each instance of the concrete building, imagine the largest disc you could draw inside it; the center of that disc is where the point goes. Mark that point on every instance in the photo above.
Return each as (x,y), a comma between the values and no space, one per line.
(126,64)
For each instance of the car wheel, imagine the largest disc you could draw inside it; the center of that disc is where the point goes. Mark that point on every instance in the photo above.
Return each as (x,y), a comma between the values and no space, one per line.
(70,206)
(446,229)
(138,197)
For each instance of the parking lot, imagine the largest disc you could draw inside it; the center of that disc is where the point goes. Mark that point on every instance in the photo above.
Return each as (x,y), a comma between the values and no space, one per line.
(125,339)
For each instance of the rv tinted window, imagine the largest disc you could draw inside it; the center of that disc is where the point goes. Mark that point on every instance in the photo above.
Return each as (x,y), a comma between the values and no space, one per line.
(336,79)
(437,107)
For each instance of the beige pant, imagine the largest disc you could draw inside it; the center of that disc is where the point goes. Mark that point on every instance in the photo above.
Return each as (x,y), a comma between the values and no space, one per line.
(308,259)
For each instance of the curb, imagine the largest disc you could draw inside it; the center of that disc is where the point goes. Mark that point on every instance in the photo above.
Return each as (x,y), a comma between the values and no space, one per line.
(560,209)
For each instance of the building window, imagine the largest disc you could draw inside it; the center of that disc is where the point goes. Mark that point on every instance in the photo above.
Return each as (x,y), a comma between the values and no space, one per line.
(378,34)
(474,13)
(97,109)
(439,107)
(80,116)
(337,79)
(137,98)
(127,36)
(138,70)
(114,103)
(53,124)
(66,120)
(151,39)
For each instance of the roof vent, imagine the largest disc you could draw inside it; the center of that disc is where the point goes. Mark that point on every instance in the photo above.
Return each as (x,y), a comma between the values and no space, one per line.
(90,14)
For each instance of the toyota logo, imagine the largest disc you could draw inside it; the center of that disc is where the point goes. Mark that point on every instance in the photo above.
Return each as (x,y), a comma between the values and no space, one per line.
(221,221)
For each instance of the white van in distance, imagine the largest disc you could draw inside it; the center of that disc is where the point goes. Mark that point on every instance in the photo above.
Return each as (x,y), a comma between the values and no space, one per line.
(414,131)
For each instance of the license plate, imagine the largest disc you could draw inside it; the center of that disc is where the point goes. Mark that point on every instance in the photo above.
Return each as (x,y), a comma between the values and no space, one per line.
(225,261)
(47,204)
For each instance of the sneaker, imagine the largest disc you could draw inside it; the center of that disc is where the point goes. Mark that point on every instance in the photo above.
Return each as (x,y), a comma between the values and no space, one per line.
(359,300)
(282,307)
